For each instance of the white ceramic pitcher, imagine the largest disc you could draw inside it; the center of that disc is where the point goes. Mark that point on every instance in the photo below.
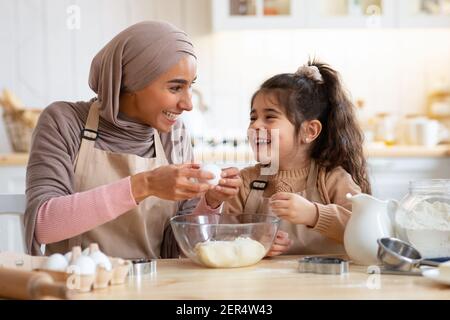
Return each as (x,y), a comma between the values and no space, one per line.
(371,219)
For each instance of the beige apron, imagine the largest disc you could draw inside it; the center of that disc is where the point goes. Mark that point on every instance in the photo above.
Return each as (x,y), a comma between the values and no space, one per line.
(139,232)
(305,239)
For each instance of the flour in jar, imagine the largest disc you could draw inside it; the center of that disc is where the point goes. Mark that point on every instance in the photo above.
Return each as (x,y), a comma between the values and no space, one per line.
(427,227)
(426,215)
(239,252)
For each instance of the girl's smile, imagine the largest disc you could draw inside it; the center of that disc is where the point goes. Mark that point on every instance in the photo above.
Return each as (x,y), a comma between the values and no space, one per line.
(268,122)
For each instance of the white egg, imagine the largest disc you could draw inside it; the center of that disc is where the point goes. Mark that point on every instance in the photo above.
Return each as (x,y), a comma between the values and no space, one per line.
(83,265)
(68,256)
(216,170)
(56,262)
(101,259)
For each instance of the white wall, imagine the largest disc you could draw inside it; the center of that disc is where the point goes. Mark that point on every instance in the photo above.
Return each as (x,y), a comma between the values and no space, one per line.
(41,60)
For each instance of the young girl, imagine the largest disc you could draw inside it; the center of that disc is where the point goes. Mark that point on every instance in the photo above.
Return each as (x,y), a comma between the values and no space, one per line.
(310,119)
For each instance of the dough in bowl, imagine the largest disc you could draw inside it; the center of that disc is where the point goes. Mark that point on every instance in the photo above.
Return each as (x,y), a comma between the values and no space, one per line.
(240,252)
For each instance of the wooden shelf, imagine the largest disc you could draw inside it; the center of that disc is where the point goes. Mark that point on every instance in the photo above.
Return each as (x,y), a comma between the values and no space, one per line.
(408,151)
(373,151)
(14,159)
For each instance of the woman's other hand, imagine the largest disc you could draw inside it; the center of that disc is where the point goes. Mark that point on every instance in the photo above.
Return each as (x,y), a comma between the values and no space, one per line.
(280,245)
(227,189)
(171,182)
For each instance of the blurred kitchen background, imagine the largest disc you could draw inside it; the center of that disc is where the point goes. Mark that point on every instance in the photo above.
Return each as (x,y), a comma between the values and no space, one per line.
(394,56)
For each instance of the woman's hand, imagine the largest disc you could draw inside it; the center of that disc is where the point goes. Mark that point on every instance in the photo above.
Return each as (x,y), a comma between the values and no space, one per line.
(280,245)
(294,208)
(227,189)
(171,182)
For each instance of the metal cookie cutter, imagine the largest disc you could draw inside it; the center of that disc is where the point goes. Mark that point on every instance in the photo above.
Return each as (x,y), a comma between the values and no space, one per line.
(142,267)
(323,265)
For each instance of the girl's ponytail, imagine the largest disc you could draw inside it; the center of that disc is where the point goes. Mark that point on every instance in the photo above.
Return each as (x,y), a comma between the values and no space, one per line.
(341,140)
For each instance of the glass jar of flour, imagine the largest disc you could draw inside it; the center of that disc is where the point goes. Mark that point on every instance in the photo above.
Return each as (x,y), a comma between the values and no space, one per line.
(423,217)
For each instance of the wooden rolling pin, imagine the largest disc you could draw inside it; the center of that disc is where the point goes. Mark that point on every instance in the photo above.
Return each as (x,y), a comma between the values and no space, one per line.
(18,284)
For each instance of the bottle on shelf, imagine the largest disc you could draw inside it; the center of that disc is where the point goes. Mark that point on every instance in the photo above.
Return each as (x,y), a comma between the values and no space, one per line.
(354,8)
(385,128)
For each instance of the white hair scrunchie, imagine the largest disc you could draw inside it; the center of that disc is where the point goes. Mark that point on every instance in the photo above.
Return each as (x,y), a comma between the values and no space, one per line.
(310,72)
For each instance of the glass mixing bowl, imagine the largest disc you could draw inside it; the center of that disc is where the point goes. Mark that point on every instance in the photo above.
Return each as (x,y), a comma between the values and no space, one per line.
(225,241)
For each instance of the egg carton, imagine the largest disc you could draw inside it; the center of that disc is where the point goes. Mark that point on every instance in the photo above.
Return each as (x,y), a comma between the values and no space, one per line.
(100,280)
(87,270)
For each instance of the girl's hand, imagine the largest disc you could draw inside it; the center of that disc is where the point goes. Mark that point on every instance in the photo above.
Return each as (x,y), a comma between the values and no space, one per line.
(227,189)
(171,182)
(294,208)
(280,245)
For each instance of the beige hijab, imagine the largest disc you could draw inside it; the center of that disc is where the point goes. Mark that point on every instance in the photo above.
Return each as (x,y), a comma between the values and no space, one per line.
(129,62)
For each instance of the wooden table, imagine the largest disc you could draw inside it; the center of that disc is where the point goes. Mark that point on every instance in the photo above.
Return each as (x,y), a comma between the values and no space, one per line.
(275,278)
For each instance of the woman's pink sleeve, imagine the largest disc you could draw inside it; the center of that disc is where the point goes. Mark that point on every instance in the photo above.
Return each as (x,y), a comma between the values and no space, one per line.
(68,216)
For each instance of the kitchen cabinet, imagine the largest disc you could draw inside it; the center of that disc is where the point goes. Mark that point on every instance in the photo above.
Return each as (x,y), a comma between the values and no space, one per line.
(390,177)
(351,14)
(261,14)
(424,13)
(258,14)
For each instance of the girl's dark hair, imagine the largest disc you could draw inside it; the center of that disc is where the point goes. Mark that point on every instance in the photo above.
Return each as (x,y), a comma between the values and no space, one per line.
(305,97)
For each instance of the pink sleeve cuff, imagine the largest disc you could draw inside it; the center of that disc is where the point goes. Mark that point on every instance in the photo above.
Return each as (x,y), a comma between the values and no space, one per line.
(203,207)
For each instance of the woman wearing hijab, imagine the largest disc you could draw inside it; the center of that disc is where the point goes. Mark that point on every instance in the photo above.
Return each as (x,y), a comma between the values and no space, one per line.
(115,169)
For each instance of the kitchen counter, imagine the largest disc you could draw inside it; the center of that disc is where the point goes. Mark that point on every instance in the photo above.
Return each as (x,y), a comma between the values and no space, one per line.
(372,151)
(275,278)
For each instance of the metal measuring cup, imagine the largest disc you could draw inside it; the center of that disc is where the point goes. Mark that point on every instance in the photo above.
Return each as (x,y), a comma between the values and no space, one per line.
(398,255)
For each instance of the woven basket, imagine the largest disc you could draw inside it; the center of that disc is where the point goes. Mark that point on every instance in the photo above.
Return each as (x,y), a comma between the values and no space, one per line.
(19,127)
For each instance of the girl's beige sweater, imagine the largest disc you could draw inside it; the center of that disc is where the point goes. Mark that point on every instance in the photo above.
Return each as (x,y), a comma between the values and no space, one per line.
(333,212)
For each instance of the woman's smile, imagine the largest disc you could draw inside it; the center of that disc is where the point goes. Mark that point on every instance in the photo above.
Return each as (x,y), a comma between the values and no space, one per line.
(161,103)
(171,116)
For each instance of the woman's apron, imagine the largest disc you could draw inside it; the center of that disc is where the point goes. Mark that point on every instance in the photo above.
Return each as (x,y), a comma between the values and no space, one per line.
(305,239)
(137,233)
